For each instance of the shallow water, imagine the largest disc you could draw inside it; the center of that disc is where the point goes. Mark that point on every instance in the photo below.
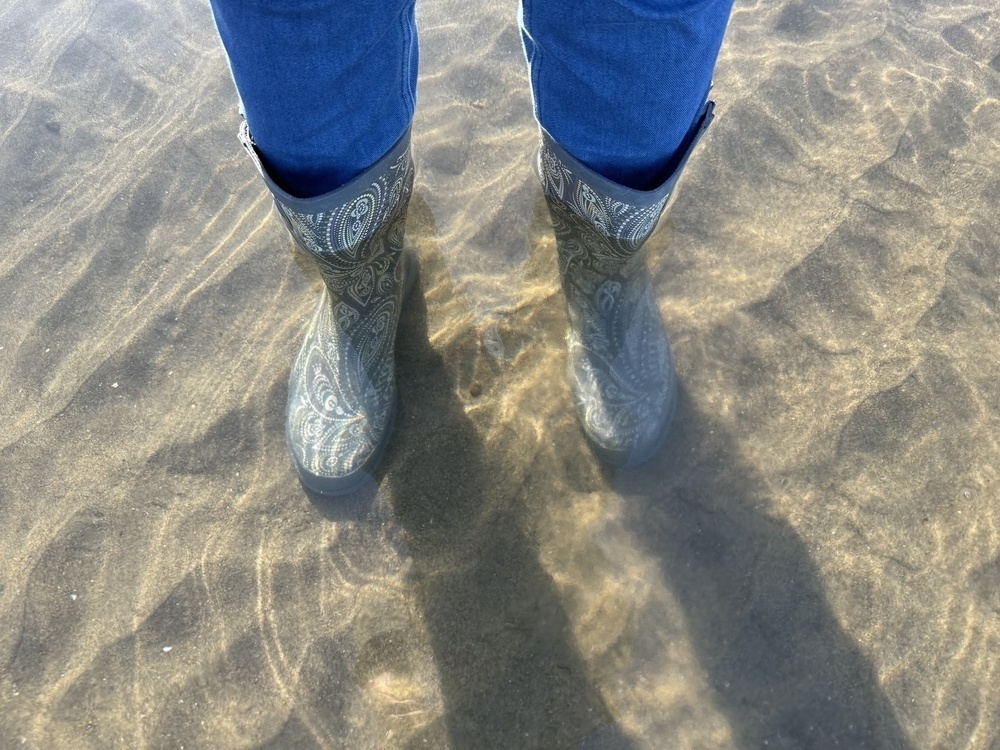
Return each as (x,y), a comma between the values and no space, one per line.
(812,562)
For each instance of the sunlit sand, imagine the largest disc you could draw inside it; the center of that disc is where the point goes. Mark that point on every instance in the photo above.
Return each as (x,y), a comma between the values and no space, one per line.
(813,561)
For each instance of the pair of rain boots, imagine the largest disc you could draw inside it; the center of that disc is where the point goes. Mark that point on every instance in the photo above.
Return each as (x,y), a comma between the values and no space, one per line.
(342,389)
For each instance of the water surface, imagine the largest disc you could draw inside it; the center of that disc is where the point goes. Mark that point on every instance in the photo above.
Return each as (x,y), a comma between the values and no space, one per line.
(812,562)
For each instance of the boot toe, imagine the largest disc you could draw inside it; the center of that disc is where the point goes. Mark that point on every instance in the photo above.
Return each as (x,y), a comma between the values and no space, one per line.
(625,405)
(340,411)
(342,460)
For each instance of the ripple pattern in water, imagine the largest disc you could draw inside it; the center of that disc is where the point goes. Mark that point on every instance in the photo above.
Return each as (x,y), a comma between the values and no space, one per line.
(812,562)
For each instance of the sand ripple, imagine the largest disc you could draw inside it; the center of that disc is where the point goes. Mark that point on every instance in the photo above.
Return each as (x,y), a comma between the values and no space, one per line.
(813,561)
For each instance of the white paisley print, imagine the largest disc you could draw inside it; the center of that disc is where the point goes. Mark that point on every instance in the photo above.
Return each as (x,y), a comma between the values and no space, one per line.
(342,389)
(620,366)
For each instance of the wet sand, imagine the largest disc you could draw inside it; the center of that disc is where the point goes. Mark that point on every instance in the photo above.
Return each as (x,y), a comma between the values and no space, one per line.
(813,561)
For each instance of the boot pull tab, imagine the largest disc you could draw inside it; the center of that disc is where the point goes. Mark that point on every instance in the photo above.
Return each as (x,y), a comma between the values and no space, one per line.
(247,140)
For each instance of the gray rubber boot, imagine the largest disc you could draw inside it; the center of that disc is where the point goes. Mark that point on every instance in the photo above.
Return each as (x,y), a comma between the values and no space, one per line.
(621,370)
(342,390)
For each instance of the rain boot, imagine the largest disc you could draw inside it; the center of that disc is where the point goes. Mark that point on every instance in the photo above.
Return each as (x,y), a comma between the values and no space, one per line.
(342,389)
(621,369)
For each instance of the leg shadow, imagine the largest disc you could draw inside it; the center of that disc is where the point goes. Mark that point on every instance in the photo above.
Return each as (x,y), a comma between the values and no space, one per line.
(785,672)
(510,674)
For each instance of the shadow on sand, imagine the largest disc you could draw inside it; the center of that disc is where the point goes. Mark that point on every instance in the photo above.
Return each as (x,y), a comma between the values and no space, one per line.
(510,674)
(784,672)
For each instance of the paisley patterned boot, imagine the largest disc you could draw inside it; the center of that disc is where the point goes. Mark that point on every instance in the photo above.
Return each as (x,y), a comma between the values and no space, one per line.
(342,390)
(621,370)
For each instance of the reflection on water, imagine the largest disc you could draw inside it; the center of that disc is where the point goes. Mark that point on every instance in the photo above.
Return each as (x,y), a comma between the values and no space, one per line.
(811,562)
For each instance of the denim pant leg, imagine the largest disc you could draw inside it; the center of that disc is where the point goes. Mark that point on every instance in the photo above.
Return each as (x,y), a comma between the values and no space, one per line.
(327,86)
(620,83)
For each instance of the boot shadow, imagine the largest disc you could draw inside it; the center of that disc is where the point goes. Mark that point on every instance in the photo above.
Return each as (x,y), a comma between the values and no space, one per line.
(784,671)
(510,674)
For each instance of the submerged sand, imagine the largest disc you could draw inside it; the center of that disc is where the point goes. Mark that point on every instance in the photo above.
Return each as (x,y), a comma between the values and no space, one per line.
(812,562)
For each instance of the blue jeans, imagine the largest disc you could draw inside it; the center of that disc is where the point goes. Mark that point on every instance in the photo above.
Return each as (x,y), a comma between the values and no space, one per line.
(329,86)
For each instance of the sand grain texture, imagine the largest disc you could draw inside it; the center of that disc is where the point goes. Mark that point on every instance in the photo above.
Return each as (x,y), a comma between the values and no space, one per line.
(812,562)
